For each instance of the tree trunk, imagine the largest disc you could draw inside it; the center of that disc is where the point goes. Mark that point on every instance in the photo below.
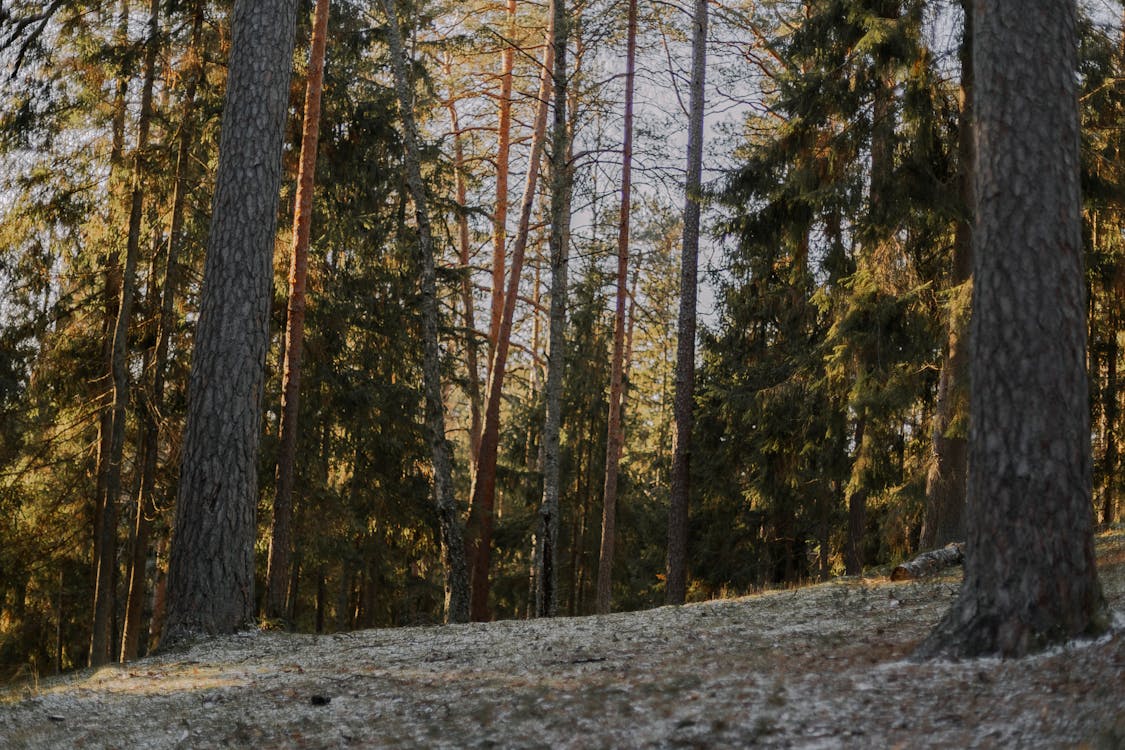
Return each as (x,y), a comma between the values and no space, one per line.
(1109,414)
(211,570)
(1030,576)
(547,539)
(500,214)
(472,379)
(484,481)
(929,563)
(452,541)
(857,492)
(945,482)
(146,506)
(277,571)
(684,399)
(105,580)
(614,437)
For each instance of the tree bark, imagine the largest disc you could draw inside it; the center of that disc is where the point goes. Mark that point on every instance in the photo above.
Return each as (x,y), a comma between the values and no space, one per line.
(1030,576)
(211,570)
(500,213)
(929,563)
(105,580)
(547,538)
(281,543)
(464,254)
(683,400)
(615,437)
(154,403)
(945,481)
(452,541)
(484,481)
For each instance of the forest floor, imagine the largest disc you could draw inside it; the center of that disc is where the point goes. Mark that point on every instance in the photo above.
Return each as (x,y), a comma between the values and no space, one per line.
(824,666)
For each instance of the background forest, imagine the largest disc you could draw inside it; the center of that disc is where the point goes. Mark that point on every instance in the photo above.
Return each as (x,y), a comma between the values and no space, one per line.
(829,399)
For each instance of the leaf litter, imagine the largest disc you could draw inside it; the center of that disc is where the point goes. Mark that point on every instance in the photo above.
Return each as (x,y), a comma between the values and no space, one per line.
(824,666)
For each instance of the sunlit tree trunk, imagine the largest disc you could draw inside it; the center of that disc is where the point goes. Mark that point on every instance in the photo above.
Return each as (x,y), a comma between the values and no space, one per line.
(211,570)
(1030,575)
(684,399)
(277,571)
(105,584)
(546,585)
(484,481)
(452,540)
(615,435)
(500,212)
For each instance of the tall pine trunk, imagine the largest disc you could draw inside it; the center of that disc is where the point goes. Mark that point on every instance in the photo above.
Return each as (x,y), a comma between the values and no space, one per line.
(546,584)
(105,599)
(614,437)
(500,212)
(452,541)
(484,480)
(211,569)
(277,571)
(1030,575)
(683,401)
(945,481)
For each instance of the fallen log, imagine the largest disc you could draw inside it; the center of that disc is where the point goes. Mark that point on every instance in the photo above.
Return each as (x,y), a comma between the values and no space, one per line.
(929,563)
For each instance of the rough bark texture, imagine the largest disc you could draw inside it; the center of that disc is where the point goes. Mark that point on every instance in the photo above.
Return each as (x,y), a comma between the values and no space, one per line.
(928,563)
(945,481)
(277,571)
(101,642)
(1029,576)
(452,540)
(211,568)
(684,398)
(484,480)
(615,436)
(547,536)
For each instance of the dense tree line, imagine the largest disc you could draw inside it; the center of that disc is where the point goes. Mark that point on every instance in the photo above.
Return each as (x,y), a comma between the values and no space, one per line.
(494,411)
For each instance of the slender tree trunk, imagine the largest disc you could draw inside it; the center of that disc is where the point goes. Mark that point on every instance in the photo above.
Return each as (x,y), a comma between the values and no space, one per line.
(500,214)
(615,437)
(857,492)
(546,585)
(464,253)
(484,481)
(1030,575)
(211,570)
(1109,414)
(146,506)
(105,584)
(945,482)
(684,399)
(281,543)
(452,541)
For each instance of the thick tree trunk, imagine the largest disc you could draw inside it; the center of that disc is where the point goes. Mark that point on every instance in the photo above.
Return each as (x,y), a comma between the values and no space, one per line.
(105,598)
(452,540)
(281,543)
(547,538)
(615,437)
(945,482)
(484,481)
(684,399)
(211,571)
(1030,576)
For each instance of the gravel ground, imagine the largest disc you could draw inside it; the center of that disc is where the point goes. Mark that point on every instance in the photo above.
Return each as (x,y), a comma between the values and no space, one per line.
(818,667)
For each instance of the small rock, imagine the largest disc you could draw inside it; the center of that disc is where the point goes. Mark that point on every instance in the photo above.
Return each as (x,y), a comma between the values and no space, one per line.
(320,700)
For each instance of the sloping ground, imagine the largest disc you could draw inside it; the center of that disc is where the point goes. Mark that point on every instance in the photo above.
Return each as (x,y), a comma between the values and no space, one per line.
(820,667)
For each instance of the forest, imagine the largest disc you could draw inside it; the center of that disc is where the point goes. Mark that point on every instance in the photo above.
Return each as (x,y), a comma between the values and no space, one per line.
(568,307)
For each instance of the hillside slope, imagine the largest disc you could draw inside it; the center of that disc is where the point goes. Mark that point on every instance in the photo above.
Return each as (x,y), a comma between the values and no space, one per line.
(819,667)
